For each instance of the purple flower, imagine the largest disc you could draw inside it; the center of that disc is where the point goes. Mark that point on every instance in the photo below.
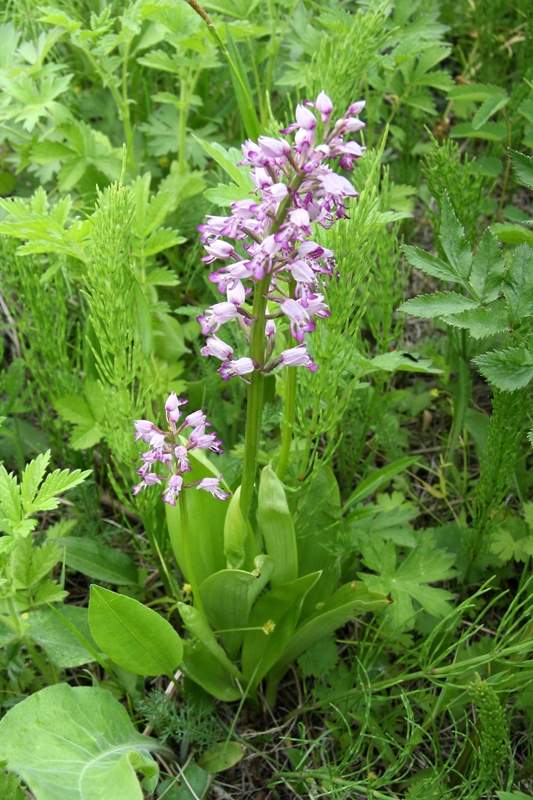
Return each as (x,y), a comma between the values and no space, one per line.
(296,187)
(298,357)
(168,449)
(143,430)
(216,347)
(172,491)
(242,366)
(213,485)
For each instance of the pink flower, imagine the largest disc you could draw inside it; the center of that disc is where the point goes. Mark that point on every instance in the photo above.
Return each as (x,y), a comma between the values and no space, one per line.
(242,366)
(213,485)
(274,148)
(216,347)
(301,322)
(170,494)
(143,429)
(298,357)
(324,106)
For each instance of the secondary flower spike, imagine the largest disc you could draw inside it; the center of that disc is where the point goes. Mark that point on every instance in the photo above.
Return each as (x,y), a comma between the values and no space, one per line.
(266,242)
(166,448)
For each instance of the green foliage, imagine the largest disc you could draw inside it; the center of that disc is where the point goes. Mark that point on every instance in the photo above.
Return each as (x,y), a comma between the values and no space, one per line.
(493,731)
(112,749)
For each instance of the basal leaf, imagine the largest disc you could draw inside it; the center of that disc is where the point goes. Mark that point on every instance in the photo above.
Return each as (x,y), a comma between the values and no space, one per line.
(134,636)
(221,756)
(98,561)
(59,643)
(198,626)
(277,528)
(77,744)
(439,304)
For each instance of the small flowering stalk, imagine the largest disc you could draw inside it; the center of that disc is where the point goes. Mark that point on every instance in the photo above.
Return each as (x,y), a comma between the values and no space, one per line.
(166,448)
(271,256)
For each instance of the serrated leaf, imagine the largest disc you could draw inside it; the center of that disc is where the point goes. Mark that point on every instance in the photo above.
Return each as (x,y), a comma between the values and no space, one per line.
(31,479)
(224,158)
(161,240)
(225,194)
(56,483)
(10,502)
(162,276)
(410,580)
(512,234)
(453,239)
(490,131)
(489,108)
(518,285)
(439,304)
(474,91)
(523,167)
(507,370)
(488,268)
(480,322)
(431,265)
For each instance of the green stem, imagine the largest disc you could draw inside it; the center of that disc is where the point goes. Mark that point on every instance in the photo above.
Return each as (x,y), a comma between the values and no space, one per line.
(185,532)
(288,422)
(254,409)
(125,110)
(309,442)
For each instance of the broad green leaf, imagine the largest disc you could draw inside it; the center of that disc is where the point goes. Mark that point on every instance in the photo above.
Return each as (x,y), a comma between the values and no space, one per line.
(277,527)
(490,131)
(378,479)
(132,635)
(453,239)
(317,526)
(206,517)
(439,304)
(77,744)
(227,160)
(481,322)
(488,267)
(351,599)
(236,532)
(507,370)
(193,784)
(198,626)
(431,265)
(489,108)
(201,666)
(228,597)
(221,756)
(518,286)
(98,561)
(275,616)
(59,643)
(75,409)
(523,167)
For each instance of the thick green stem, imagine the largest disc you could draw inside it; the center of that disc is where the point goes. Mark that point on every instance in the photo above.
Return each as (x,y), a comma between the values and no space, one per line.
(288,423)
(186,536)
(254,409)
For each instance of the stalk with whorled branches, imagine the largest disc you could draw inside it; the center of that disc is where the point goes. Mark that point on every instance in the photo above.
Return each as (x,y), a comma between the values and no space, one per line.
(270,256)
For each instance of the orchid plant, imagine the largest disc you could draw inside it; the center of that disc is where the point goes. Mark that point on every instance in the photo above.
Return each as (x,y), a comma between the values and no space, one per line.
(259,594)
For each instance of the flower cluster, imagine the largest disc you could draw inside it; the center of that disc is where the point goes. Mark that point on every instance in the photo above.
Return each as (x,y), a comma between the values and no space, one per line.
(166,448)
(270,245)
